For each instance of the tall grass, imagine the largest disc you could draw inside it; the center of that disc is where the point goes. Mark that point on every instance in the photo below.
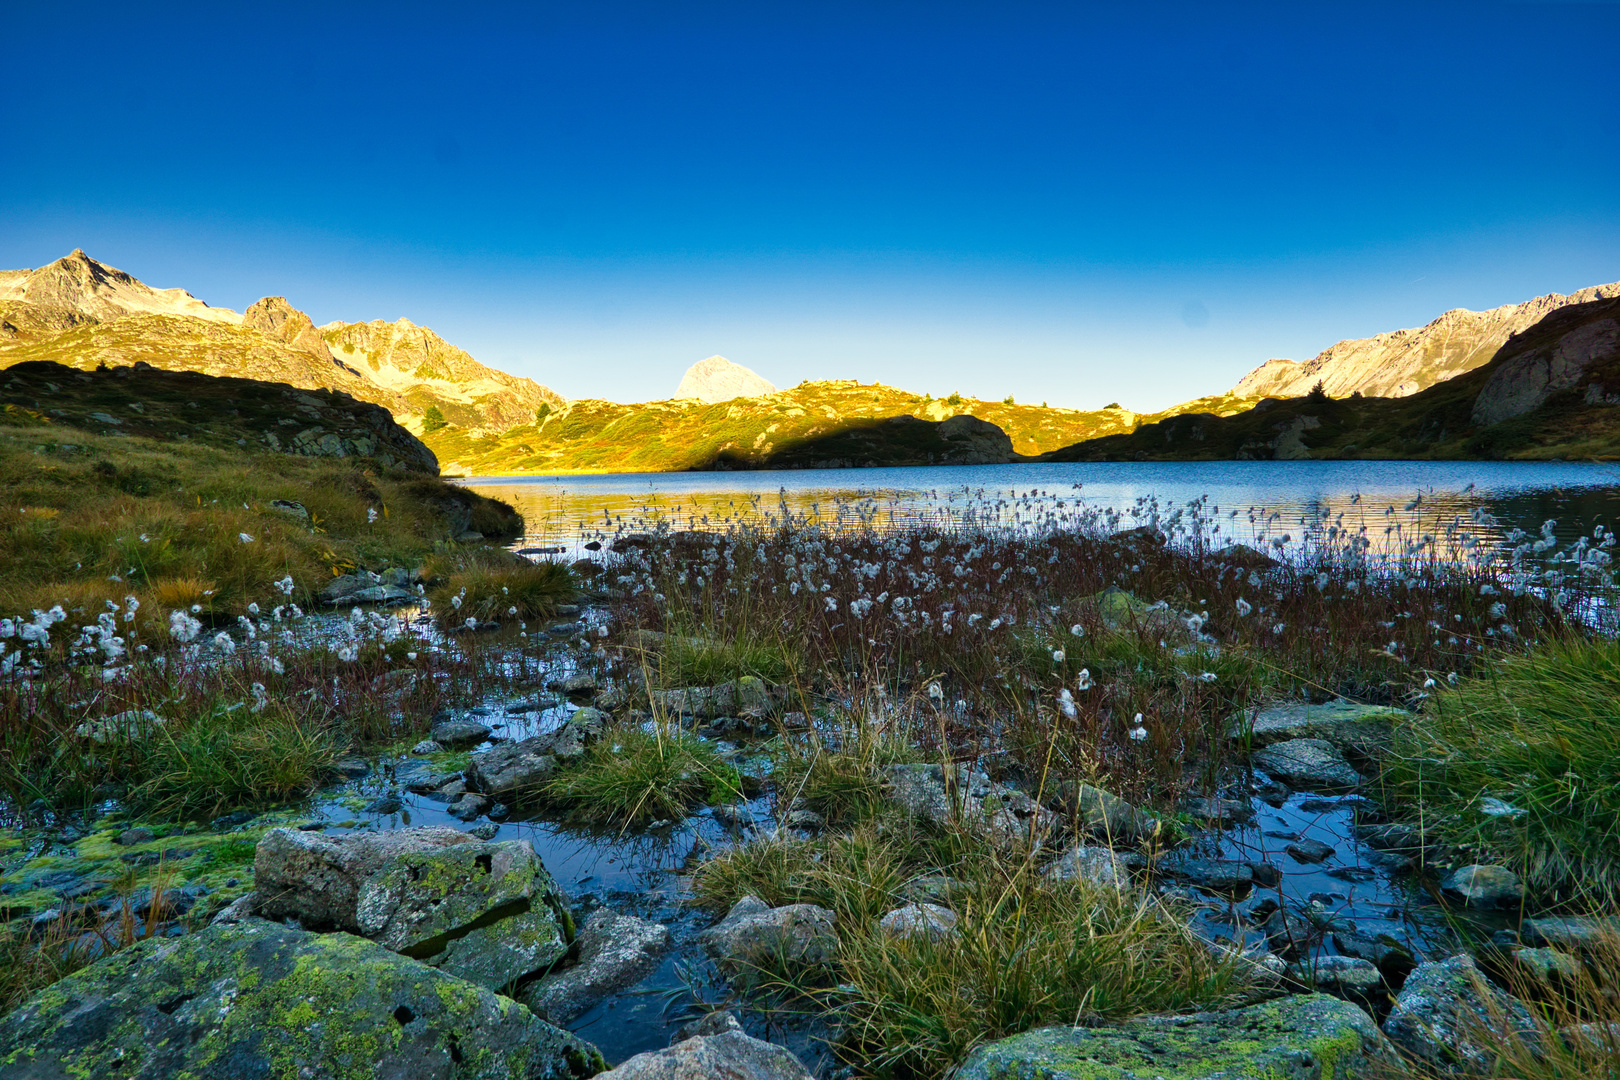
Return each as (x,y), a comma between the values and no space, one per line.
(638,774)
(492,584)
(1519,765)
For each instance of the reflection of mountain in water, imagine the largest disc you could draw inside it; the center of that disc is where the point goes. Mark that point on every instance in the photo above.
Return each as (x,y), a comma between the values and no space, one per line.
(1374,495)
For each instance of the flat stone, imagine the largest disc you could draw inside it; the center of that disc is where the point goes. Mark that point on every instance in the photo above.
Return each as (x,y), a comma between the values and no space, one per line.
(137,835)
(469,807)
(1300,1037)
(1218,811)
(514,771)
(456,734)
(1364,729)
(1571,932)
(1546,966)
(426,747)
(1307,764)
(1216,875)
(254,998)
(1484,886)
(615,952)
(919,920)
(1342,976)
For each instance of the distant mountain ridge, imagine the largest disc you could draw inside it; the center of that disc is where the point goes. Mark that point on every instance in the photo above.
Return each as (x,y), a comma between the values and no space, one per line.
(82,313)
(1401,363)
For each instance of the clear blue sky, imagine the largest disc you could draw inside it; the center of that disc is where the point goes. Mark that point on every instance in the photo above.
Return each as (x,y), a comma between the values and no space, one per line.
(1074,204)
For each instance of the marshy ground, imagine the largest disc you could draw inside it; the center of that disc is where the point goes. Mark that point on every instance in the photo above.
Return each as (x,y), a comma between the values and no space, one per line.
(863,720)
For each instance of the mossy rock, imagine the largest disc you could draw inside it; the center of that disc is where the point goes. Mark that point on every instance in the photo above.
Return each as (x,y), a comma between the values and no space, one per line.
(1306,1037)
(262,1000)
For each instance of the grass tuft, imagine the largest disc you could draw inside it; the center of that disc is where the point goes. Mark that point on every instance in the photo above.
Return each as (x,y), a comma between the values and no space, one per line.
(634,775)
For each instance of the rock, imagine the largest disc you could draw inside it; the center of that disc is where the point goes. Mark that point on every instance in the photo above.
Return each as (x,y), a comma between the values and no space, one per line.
(513,771)
(137,835)
(1216,875)
(257,999)
(1291,935)
(1573,932)
(1096,865)
(731,1055)
(488,912)
(1385,954)
(808,820)
(1218,811)
(456,734)
(1244,557)
(243,907)
(385,804)
(748,696)
(129,725)
(1546,966)
(931,889)
(1484,886)
(578,685)
(1362,729)
(1303,1037)
(755,937)
(1307,764)
(351,767)
(712,1023)
(421,783)
(1342,976)
(425,747)
(960,793)
(1102,814)
(1551,356)
(1447,1016)
(486,831)
(733,817)
(342,587)
(295,510)
(468,807)
(615,952)
(919,920)
(1307,850)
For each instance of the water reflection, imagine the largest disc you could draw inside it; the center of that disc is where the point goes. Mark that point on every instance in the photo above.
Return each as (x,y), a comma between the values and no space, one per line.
(1250,500)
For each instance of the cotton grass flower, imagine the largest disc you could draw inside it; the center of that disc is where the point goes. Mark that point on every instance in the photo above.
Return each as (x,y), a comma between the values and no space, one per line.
(1082,681)
(1139,732)
(1066,705)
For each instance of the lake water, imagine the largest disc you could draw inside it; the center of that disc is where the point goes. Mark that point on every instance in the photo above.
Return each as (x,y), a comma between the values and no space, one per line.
(1270,498)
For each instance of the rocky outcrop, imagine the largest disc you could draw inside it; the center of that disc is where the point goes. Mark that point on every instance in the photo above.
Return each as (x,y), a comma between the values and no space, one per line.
(488,912)
(278,320)
(1555,355)
(1304,1037)
(257,999)
(1348,725)
(718,379)
(1403,362)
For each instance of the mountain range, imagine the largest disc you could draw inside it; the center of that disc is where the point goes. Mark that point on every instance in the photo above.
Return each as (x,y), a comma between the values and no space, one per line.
(81,313)
(84,314)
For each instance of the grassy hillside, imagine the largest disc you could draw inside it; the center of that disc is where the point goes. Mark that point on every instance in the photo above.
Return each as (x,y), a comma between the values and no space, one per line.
(1578,420)
(833,422)
(169,509)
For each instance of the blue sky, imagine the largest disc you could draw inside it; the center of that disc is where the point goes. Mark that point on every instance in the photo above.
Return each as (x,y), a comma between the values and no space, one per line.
(1075,204)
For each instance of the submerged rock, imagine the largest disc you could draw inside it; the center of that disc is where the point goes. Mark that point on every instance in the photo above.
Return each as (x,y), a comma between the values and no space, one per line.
(1303,1037)
(1449,1018)
(615,951)
(257,999)
(488,912)
(1011,819)
(1308,764)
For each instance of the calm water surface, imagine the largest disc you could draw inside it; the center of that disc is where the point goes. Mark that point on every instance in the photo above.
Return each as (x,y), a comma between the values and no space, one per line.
(569,509)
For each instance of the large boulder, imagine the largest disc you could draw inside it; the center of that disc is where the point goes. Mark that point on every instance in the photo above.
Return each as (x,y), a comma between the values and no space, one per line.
(488,912)
(1361,729)
(1450,1019)
(615,951)
(731,1054)
(960,793)
(1303,1037)
(255,999)
(1308,765)
(755,937)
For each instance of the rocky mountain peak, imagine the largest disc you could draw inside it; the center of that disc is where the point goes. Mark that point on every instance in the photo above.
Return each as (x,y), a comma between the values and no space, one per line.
(96,292)
(718,379)
(278,320)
